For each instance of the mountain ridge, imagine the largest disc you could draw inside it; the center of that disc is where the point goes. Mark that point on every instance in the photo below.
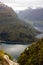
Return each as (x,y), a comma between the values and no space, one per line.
(13,29)
(32,14)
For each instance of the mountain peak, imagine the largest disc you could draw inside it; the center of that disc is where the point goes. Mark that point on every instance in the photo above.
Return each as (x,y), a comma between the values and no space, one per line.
(6,11)
(1,4)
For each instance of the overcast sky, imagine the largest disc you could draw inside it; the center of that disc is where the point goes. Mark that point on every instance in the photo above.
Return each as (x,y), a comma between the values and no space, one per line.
(23,4)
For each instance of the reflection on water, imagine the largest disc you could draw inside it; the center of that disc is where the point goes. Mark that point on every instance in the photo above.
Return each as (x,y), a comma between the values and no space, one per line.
(14,50)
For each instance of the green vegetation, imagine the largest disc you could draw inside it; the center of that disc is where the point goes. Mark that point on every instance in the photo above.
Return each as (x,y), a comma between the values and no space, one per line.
(33,55)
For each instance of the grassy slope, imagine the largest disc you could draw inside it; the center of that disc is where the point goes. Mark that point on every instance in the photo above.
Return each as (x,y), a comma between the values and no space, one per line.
(32,55)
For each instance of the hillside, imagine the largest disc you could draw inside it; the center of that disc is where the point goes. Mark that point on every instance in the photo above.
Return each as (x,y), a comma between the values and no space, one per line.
(5,59)
(12,28)
(33,55)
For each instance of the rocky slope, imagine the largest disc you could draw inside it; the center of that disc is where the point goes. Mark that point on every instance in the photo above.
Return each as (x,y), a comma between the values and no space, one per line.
(6,59)
(32,55)
(14,29)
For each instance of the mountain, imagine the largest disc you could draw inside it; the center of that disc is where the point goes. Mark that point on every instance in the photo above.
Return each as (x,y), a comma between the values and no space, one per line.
(12,28)
(32,55)
(33,17)
(32,14)
(6,59)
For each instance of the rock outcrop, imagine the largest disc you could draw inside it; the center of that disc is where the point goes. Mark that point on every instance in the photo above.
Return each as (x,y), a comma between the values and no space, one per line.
(6,60)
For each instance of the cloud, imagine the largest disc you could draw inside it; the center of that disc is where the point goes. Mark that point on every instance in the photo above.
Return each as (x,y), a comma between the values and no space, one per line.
(19,4)
(8,1)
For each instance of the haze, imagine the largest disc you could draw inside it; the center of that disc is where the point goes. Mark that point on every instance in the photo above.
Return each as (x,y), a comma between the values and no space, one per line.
(23,4)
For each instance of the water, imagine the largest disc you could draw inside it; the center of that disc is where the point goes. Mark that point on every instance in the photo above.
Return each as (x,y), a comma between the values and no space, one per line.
(39,36)
(14,49)
(38,27)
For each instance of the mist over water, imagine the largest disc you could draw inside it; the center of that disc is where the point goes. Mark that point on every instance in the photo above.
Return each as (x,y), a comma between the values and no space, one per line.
(14,50)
